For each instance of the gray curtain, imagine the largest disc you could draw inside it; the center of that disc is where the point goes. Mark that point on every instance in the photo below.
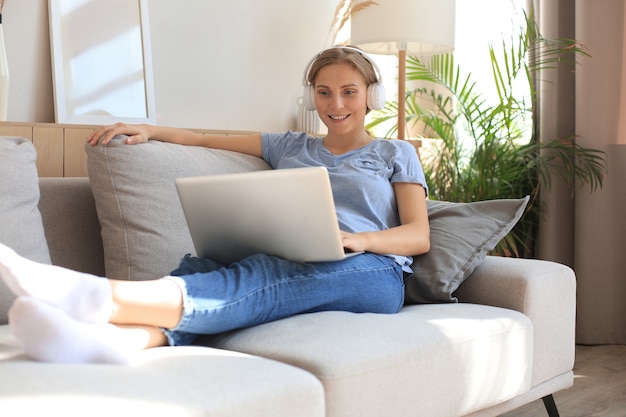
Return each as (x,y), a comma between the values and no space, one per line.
(584,230)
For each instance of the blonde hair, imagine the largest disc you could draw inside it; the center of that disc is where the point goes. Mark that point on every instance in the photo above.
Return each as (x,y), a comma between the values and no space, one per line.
(343,55)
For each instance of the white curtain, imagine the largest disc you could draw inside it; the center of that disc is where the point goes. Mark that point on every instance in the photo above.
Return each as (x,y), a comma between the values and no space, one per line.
(588,230)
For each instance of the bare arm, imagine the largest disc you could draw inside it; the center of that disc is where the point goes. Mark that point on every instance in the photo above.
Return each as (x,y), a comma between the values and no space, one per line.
(412,237)
(248,144)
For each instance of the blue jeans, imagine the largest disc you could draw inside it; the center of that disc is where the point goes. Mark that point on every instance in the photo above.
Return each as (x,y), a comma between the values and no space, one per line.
(259,289)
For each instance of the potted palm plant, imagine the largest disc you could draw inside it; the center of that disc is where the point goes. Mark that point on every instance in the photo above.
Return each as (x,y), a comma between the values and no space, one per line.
(491,151)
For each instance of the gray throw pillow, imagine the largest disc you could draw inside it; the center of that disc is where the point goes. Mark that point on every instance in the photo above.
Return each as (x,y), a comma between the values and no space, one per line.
(461,235)
(144,232)
(21,227)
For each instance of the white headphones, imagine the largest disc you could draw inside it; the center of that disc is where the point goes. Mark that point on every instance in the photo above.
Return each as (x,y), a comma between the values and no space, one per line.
(375,92)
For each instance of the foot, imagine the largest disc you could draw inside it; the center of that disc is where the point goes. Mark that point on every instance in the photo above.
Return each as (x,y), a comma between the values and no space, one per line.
(83,296)
(48,334)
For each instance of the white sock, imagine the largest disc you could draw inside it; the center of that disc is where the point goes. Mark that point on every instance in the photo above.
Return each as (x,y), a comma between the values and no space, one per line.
(83,296)
(48,334)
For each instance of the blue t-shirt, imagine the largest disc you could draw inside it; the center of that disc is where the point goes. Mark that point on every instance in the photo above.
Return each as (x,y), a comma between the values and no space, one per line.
(361,180)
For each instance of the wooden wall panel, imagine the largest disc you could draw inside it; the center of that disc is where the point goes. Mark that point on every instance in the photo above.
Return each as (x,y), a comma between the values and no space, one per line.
(49,144)
(61,148)
(21,131)
(75,155)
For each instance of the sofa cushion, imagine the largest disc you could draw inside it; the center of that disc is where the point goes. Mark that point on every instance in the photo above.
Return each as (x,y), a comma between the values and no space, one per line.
(69,216)
(440,359)
(461,235)
(144,232)
(168,381)
(21,227)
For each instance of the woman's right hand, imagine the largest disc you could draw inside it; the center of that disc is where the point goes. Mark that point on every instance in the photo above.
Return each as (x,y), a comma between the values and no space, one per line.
(245,143)
(136,134)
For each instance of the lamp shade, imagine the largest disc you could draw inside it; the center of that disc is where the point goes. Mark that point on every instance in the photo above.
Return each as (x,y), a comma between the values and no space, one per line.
(420,27)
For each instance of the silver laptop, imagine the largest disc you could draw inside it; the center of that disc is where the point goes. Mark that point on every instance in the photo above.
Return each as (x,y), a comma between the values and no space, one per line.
(288,213)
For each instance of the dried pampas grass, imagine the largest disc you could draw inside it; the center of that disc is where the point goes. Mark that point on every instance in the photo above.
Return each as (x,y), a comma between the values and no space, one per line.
(344,11)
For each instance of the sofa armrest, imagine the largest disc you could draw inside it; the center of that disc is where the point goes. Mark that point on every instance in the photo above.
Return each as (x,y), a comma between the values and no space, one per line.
(542,290)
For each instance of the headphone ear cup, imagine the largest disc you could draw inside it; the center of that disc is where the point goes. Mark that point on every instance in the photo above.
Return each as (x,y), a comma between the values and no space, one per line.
(376,96)
(308,99)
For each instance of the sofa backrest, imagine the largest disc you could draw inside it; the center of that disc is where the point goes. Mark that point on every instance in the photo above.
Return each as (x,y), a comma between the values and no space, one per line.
(71,225)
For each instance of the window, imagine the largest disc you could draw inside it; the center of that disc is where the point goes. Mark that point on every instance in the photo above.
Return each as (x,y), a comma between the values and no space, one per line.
(479,23)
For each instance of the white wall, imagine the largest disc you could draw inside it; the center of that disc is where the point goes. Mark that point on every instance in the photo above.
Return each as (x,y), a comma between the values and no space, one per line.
(217,64)
(25,26)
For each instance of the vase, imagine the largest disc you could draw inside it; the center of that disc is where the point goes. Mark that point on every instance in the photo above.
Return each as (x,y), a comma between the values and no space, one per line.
(4,77)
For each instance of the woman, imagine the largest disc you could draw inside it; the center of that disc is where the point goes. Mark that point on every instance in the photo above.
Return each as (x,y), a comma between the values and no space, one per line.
(380,192)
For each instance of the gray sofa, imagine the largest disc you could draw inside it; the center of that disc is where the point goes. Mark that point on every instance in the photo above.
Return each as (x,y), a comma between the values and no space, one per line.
(509,339)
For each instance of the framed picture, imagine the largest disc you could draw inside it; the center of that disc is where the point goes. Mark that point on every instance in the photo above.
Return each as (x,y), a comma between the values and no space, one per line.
(101,61)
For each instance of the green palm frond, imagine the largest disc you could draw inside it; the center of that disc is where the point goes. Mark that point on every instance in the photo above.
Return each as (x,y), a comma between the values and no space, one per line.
(487,151)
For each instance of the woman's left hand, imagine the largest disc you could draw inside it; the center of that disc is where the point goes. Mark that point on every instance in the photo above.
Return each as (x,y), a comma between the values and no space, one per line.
(354,242)
(411,237)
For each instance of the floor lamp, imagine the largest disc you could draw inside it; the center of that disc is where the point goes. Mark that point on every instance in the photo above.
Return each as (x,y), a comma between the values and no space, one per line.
(397,27)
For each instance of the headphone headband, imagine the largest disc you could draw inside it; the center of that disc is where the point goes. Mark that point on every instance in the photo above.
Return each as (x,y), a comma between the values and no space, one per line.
(375,92)
(305,78)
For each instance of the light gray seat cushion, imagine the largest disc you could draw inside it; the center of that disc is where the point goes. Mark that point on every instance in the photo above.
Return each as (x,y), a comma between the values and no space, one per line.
(440,359)
(180,381)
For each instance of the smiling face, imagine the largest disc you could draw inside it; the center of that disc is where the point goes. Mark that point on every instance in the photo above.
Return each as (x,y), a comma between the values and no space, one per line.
(340,93)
